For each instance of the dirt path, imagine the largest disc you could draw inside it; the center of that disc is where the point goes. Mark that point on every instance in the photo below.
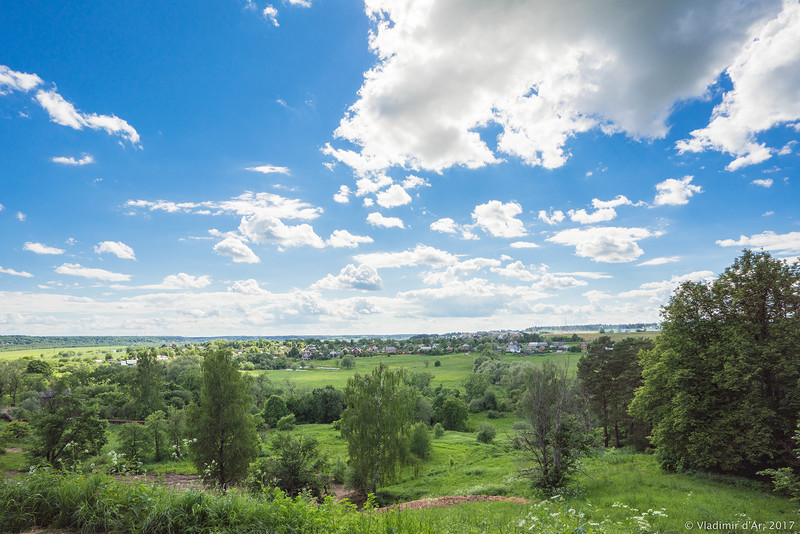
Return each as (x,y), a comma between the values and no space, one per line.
(451,500)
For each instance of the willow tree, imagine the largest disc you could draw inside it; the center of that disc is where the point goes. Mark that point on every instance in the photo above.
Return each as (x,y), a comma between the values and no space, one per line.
(722,385)
(223,432)
(375,423)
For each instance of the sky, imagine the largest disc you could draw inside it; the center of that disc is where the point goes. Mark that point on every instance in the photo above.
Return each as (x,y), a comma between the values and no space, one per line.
(330,167)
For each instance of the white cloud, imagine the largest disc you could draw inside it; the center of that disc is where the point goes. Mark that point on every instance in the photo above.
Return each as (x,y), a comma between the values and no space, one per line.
(343,195)
(117,248)
(783,243)
(766,92)
(601,215)
(499,219)
(445,225)
(516,270)
(2,207)
(269,169)
(300,3)
(21,216)
(247,287)
(413,182)
(237,250)
(74,269)
(393,197)
(181,281)
(523,244)
(554,218)
(271,14)
(672,192)
(457,270)
(372,184)
(39,248)
(787,149)
(63,113)
(363,277)
(344,239)
(444,71)
(263,227)
(24,274)
(620,200)
(11,80)
(369,202)
(763,182)
(376,219)
(86,159)
(659,261)
(248,203)
(659,291)
(604,244)
(420,255)
(586,274)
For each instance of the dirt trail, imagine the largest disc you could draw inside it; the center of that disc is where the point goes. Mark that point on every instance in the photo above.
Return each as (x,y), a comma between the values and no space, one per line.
(451,500)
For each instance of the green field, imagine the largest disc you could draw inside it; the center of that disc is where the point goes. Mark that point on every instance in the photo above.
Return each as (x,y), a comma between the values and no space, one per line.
(52,353)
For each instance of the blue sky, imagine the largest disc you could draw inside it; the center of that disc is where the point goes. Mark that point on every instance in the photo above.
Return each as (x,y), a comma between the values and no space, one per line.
(331,167)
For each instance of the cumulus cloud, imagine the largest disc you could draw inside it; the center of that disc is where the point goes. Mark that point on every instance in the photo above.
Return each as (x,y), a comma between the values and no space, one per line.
(248,203)
(782,243)
(523,244)
(181,281)
(601,215)
(392,197)
(766,92)
(445,225)
(420,255)
(40,248)
(86,159)
(673,192)
(21,216)
(247,287)
(414,182)
(237,250)
(372,184)
(659,261)
(659,291)
(763,182)
(264,228)
(12,272)
(444,70)
(516,270)
(64,113)
(499,219)
(343,195)
(377,219)
(457,270)
(269,169)
(344,239)
(610,244)
(75,269)
(553,218)
(117,248)
(363,277)
(271,14)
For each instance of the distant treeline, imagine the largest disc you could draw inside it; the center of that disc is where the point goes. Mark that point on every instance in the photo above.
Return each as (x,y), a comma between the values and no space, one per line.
(57,342)
(596,327)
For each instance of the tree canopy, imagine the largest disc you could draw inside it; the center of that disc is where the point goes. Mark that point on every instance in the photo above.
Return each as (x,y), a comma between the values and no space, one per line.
(721,385)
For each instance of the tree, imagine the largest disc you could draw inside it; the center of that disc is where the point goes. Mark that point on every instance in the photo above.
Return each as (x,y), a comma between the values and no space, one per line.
(224,434)
(374,423)
(148,385)
(294,465)
(611,373)
(721,387)
(558,430)
(348,361)
(65,431)
(420,441)
(157,433)
(453,414)
(133,440)
(274,409)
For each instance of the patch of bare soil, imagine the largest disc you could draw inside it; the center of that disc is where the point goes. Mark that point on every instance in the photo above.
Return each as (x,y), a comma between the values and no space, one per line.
(451,500)
(14,449)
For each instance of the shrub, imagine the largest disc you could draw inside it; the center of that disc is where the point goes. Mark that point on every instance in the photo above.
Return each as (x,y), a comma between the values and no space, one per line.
(438,431)
(339,471)
(437,363)
(486,432)
(476,405)
(420,441)
(294,466)
(493,414)
(286,422)
(17,429)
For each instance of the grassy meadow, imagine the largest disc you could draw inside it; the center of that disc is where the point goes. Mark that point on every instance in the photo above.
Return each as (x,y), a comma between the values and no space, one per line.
(52,353)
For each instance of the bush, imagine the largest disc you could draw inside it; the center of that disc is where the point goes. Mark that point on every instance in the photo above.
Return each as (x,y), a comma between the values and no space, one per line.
(476,405)
(493,414)
(339,471)
(294,466)
(438,431)
(17,429)
(486,432)
(437,363)
(420,441)
(286,422)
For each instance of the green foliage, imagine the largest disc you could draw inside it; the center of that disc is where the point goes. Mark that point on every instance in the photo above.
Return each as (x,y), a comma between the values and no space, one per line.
(453,414)
(785,480)
(286,422)
(558,428)
(224,438)
(148,385)
(611,373)
(437,363)
(486,432)
(722,385)
(420,441)
(348,361)
(379,410)
(133,441)
(65,431)
(39,367)
(274,410)
(438,430)
(17,430)
(157,429)
(294,466)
